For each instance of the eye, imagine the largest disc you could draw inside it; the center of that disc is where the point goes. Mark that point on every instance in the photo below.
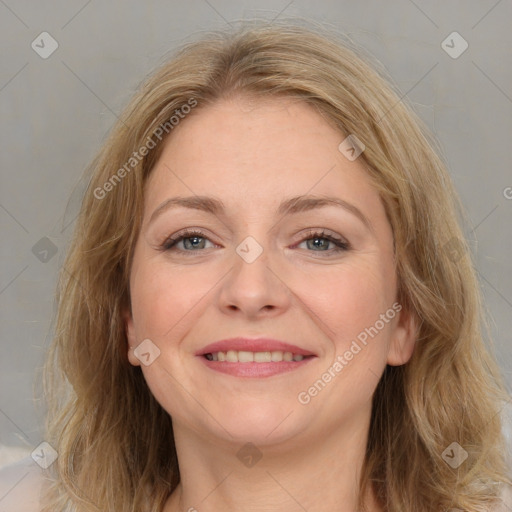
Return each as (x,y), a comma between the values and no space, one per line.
(193,240)
(196,240)
(319,241)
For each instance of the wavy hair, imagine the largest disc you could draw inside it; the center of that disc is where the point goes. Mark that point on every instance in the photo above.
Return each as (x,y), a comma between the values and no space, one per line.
(115,442)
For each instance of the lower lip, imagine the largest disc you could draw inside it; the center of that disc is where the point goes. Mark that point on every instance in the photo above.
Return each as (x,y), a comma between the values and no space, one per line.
(255,369)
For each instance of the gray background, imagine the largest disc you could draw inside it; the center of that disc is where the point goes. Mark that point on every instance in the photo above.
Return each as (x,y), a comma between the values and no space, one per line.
(55,113)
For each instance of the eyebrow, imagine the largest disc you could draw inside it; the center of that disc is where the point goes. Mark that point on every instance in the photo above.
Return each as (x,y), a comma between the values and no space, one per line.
(296,204)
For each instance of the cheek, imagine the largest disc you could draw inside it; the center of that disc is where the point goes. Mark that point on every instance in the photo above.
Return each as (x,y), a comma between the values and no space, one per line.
(351,300)
(164,295)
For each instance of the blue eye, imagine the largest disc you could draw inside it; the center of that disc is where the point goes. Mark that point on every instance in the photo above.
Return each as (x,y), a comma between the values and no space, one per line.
(321,240)
(195,240)
(192,240)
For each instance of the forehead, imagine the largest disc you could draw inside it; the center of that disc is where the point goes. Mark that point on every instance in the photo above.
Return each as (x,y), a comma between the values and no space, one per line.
(259,150)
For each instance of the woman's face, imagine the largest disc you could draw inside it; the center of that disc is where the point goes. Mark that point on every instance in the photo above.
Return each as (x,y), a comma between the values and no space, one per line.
(288,241)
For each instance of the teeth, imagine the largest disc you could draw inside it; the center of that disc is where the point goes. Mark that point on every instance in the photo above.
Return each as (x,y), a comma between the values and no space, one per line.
(276,356)
(243,356)
(262,357)
(232,356)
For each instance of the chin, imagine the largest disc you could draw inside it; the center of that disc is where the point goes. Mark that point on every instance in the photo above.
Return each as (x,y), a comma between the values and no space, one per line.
(263,423)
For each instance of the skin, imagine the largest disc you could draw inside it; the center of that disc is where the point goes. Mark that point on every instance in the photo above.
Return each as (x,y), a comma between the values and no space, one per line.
(253,154)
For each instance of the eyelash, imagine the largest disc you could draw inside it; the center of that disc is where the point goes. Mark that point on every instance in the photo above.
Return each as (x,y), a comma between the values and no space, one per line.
(340,244)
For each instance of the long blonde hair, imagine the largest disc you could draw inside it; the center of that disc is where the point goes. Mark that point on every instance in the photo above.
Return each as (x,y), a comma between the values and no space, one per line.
(115,442)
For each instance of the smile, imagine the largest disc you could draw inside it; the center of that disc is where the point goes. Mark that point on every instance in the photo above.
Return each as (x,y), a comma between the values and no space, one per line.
(254,364)
(244,356)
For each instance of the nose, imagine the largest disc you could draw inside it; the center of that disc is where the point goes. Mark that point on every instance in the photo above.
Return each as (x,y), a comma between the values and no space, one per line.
(254,288)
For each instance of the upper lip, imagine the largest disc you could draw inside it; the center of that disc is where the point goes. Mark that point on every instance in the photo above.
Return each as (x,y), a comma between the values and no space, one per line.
(252,345)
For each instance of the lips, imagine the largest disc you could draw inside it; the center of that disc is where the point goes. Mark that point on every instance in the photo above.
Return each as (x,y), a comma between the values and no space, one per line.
(253,345)
(262,357)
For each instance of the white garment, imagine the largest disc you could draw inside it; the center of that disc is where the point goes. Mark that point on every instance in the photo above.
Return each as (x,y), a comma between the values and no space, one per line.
(20,486)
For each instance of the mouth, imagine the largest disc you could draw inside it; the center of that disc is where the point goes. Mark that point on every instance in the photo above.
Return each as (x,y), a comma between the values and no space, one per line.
(242,357)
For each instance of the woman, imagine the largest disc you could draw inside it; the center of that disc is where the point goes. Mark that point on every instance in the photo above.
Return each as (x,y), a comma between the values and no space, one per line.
(268,303)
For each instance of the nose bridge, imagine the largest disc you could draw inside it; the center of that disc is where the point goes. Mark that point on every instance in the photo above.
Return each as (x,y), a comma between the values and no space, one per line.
(252,285)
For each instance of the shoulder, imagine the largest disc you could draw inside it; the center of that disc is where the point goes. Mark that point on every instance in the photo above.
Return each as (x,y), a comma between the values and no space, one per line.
(20,486)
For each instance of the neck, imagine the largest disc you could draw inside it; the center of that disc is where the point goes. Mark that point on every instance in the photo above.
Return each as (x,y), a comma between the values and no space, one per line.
(296,475)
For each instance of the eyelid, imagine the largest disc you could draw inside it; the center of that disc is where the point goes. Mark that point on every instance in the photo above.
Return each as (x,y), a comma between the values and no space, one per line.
(185,233)
(341,243)
(320,232)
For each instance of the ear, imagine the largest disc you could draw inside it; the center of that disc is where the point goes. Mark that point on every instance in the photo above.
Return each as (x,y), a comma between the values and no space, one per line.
(403,338)
(130,337)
